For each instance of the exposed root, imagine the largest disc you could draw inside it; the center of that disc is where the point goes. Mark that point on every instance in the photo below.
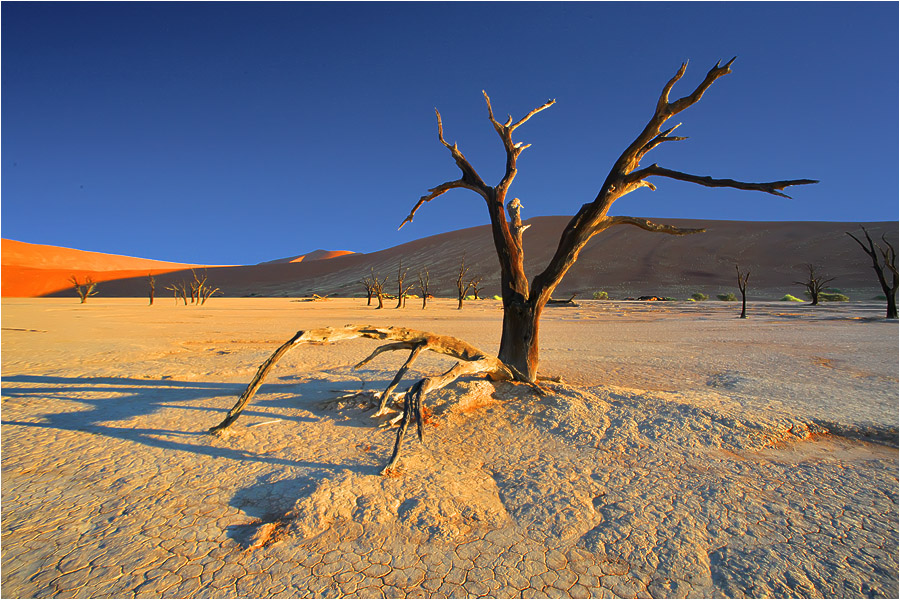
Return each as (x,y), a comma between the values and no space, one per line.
(472,362)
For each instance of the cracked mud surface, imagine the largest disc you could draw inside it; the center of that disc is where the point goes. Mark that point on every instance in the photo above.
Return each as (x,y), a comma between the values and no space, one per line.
(110,490)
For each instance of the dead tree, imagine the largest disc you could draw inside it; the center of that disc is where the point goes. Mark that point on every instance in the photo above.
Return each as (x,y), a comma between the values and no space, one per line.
(814,284)
(462,284)
(179,289)
(424,280)
(884,261)
(524,301)
(368,282)
(476,286)
(743,278)
(402,291)
(151,281)
(84,290)
(378,289)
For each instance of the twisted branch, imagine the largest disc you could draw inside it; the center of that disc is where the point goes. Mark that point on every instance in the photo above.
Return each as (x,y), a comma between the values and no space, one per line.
(771,187)
(608,222)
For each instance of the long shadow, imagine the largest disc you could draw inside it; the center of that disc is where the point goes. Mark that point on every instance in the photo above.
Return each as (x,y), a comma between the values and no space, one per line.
(140,397)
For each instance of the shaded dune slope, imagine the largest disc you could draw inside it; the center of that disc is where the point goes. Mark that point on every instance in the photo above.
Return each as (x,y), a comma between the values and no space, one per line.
(625,261)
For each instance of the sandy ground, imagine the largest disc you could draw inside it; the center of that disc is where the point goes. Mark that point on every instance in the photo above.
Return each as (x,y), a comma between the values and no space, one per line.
(686,453)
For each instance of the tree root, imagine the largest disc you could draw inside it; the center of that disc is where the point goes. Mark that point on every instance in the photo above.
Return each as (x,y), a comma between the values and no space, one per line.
(472,362)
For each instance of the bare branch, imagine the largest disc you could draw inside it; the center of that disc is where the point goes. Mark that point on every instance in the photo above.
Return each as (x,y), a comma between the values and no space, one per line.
(717,71)
(646,224)
(470,176)
(441,344)
(533,112)
(771,187)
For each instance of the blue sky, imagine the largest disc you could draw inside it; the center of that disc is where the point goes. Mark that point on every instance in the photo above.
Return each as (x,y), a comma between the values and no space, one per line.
(232,133)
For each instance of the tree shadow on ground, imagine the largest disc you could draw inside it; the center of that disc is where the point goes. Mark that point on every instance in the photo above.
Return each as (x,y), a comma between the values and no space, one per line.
(141,397)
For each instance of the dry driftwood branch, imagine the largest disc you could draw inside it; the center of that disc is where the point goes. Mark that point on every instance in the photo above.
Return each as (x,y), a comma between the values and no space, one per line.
(569,302)
(646,224)
(884,261)
(472,361)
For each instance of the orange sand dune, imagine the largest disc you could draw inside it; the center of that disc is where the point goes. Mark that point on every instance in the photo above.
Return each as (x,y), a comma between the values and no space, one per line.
(37,270)
(39,256)
(314,255)
(24,282)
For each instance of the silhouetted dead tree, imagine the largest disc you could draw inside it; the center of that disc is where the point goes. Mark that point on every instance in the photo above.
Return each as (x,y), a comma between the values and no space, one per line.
(462,284)
(84,290)
(884,261)
(402,291)
(424,280)
(368,282)
(524,301)
(815,283)
(743,278)
(151,281)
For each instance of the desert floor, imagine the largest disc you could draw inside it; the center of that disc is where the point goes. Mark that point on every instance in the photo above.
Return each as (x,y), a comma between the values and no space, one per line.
(685,453)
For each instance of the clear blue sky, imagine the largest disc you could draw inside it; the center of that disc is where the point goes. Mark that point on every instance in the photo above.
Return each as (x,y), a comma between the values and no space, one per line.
(232,133)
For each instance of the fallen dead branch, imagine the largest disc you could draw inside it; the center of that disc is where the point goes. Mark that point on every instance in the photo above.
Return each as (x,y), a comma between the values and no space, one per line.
(472,361)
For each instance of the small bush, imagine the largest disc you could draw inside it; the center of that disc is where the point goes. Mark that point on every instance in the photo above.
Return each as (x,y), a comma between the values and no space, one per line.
(498,298)
(601,296)
(833,297)
(729,297)
(470,297)
(667,299)
(698,296)
(789,298)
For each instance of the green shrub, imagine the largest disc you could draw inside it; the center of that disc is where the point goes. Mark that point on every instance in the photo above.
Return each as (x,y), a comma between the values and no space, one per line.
(729,297)
(470,297)
(601,296)
(789,298)
(833,297)
(498,298)
(698,296)
(667,299)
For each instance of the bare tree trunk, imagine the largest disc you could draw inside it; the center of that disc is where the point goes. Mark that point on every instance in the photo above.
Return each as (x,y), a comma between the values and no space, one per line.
(424,280)
(743,278)
(519,340)
(886,262)
(152,281)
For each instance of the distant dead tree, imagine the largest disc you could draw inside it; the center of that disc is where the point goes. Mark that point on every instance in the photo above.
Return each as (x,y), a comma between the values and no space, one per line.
(884,261)
(815,283)
(200,292)
(523,302)
(368,282)
(463,285)
(378,289)
(151,280)
(402,291)
(476,286)
(179,289)
(84,290)
(424,280)
(743,278)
